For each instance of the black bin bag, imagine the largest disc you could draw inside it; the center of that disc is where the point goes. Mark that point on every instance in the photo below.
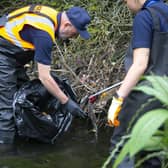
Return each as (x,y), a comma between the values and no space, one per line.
(39,115)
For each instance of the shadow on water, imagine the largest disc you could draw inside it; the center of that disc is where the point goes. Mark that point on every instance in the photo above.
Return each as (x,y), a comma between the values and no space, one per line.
(77,148)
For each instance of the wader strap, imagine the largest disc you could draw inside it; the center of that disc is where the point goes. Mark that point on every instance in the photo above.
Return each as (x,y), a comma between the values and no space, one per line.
(33,9)
(157,8)
(154,10)
(155,18)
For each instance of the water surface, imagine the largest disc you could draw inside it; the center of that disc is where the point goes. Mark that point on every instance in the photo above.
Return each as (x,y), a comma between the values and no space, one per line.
(77,148)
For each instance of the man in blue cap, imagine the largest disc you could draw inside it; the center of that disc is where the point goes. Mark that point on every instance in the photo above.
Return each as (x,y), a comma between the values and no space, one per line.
(76,19)
(28,34)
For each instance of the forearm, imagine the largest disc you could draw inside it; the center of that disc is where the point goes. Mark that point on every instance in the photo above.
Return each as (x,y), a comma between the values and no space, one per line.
(54,89)
(50,84)
(130,80)
(140,63)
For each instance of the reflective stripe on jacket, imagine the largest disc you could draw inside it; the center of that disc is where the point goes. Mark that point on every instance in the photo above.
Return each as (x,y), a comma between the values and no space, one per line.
(38,16)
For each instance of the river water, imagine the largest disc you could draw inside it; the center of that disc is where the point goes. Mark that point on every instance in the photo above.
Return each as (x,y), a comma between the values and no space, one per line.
(77,148)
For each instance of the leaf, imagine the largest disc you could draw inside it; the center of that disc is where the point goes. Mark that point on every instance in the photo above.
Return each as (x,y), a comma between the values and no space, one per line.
(162,96)
(154,144)
(145,127)
(159,89)
(165,139)
(122,154)
(159,83)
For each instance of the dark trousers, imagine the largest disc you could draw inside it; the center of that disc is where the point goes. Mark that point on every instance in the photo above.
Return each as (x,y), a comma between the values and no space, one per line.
(136,104)
(11,77)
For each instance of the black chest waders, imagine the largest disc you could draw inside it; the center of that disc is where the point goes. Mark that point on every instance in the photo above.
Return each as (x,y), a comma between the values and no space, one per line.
(138,103)
(12,73)
(158,62)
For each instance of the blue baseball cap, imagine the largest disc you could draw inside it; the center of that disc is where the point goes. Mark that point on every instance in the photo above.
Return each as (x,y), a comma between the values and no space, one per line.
(79,18)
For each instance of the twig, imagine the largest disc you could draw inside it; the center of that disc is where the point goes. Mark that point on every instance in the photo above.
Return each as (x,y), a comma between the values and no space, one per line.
(69,69)
(90,63)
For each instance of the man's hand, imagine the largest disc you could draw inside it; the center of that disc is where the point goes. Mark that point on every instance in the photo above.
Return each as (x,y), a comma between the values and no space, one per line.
(74,109)
(114,111)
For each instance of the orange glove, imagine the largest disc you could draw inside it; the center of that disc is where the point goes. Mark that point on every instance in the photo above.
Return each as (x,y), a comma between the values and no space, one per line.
(114,110)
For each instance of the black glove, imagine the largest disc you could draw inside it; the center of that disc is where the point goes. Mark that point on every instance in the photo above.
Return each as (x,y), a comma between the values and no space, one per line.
(74,109)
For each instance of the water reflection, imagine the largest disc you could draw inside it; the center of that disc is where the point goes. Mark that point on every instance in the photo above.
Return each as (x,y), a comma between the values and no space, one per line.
(75,149)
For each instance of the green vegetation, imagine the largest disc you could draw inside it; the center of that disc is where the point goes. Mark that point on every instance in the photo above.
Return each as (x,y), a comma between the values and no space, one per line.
(146,134)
